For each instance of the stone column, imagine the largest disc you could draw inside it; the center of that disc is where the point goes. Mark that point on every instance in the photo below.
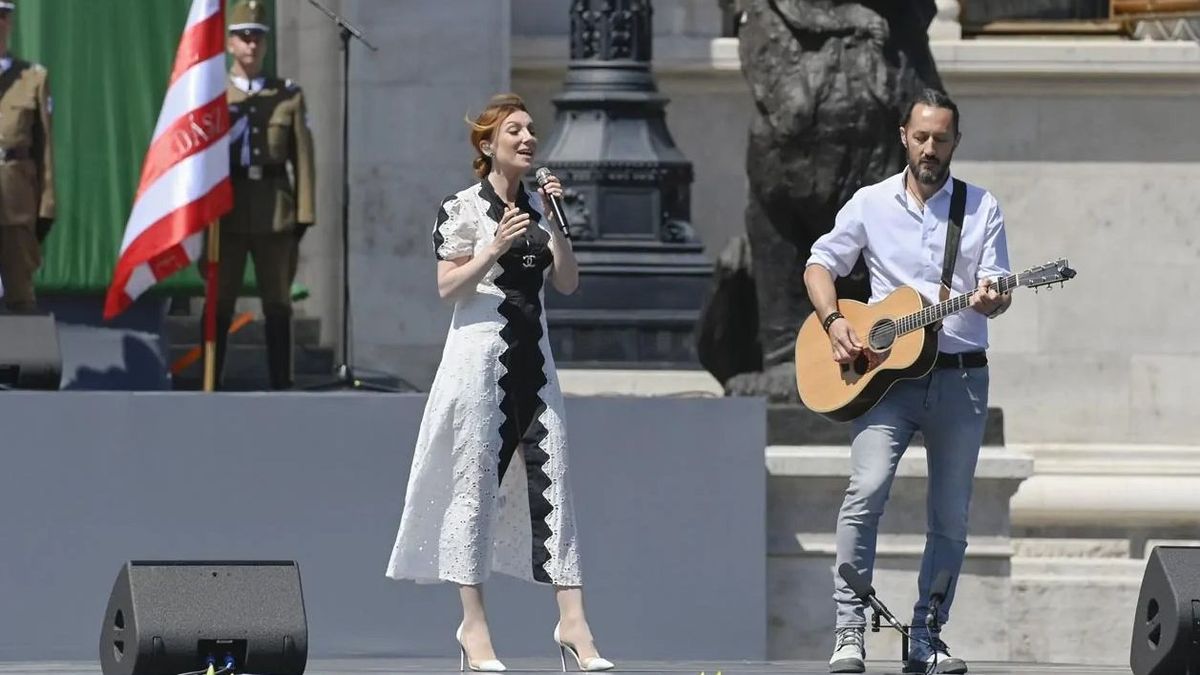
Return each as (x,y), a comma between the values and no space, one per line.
(945,25)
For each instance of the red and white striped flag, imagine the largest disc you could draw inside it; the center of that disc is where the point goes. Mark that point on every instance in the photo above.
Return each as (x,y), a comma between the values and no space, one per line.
(185,177)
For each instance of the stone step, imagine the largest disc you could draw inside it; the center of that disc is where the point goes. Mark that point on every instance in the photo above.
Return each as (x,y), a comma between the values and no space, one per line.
(185,330)
(248,363)
(1078,570)
(192,382)
(302,381)
(632,382)
(790,424)
(1062,547)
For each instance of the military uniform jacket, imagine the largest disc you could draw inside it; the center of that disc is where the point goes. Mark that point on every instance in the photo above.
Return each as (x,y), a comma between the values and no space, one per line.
(26,150)
(271,158)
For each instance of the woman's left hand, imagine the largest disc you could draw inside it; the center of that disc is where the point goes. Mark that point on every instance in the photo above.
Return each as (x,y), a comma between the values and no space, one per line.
(552,189)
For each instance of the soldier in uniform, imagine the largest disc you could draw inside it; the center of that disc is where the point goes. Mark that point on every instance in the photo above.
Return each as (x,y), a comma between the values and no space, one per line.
(271,168)
(26,169)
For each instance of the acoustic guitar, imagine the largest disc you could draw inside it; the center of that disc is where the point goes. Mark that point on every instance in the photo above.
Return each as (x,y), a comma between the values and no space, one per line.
(902,330)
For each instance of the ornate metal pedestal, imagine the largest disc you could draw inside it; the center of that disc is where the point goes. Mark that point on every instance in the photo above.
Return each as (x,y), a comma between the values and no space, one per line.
(643,272)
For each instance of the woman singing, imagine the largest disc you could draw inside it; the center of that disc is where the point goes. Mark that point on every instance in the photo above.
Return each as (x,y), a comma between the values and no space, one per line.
(489,486)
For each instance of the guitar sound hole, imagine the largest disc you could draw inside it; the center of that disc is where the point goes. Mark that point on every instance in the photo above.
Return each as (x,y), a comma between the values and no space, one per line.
(882,336)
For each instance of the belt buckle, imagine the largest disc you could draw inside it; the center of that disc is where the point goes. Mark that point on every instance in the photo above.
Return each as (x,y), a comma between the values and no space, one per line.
(254,172)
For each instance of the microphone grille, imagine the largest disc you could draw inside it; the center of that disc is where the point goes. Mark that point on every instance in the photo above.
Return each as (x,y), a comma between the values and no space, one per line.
(542,175)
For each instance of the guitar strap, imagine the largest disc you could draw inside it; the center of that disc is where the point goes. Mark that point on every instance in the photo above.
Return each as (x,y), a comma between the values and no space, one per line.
(958,208)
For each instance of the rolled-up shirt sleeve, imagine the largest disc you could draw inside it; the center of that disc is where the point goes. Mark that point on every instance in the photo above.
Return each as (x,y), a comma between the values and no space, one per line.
(993,257)
(838,249)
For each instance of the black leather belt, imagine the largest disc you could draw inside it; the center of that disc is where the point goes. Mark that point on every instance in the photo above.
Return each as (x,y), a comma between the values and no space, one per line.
(258,171)
(13,154)
(961,360)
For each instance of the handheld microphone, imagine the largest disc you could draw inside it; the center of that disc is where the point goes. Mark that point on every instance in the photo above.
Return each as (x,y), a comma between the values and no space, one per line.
(865,592)
(543,177)
(937,595)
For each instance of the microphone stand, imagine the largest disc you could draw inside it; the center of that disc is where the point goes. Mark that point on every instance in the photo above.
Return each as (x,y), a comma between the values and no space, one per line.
(344,374)
(880,610)
(933,622)
(934,626)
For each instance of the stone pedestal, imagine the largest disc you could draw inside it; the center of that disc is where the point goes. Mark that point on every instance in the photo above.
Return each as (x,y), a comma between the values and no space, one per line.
(805,487)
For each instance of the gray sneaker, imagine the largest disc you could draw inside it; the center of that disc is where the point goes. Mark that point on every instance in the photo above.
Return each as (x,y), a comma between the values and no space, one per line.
(849,653)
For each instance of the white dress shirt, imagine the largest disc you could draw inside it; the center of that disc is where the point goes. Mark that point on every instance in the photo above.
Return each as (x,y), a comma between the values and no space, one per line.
(904,245)
(247,85)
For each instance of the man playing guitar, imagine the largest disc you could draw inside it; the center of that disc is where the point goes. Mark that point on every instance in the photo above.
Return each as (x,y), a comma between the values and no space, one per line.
(901,227)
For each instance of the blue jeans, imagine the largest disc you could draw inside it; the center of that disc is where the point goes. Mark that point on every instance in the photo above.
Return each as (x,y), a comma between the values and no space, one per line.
(949,406)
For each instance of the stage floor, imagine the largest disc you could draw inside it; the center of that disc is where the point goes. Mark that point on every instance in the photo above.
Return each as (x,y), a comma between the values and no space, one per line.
(550,664)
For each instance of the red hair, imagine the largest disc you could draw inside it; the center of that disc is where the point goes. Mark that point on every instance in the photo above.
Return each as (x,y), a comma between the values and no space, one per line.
(485,125)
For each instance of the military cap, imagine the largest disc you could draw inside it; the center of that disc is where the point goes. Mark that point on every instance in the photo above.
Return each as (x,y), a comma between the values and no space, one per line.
(249,16)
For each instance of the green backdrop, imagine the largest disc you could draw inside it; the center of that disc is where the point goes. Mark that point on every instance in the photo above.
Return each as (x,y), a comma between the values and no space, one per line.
(109,63)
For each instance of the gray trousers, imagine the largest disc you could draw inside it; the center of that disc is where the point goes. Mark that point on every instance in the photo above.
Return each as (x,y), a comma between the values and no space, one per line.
(949,406)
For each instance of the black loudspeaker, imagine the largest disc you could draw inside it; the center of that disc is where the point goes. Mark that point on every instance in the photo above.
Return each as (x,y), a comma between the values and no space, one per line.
(1166,628)
(29,355)
(171,617)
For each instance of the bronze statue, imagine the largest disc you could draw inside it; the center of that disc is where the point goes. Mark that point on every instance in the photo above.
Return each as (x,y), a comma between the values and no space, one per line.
(829,81)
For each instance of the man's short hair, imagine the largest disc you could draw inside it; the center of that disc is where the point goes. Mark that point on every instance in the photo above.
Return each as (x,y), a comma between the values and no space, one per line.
(934,98)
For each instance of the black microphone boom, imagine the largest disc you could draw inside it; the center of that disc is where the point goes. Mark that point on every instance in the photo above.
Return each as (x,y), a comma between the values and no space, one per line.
(543,176)
(865,592)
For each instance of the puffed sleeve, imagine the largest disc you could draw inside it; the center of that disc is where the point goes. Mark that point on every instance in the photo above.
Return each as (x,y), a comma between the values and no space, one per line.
(455,233)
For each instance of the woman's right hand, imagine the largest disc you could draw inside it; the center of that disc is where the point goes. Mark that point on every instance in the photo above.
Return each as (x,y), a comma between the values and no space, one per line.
(513,223)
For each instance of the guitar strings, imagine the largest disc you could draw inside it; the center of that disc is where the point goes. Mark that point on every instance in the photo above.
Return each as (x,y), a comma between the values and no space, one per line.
(927,315)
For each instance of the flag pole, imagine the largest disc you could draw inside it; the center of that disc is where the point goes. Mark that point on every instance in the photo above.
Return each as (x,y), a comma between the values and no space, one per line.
(210,306)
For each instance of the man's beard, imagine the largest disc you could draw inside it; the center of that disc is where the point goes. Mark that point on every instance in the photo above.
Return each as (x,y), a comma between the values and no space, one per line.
(929,175)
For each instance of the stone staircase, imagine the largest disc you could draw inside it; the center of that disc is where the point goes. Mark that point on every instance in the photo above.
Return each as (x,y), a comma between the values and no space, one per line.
(246,355)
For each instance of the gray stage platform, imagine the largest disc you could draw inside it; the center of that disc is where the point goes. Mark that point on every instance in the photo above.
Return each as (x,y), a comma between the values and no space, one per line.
(550,664)
(669,495)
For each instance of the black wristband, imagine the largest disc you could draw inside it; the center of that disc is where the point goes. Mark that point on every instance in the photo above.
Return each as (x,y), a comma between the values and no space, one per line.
(833,316)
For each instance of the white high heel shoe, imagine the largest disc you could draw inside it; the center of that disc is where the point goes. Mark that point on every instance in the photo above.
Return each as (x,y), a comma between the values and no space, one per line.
(593,664)
(488,666)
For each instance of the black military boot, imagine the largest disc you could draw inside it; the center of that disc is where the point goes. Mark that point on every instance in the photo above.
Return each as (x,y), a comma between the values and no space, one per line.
(279,350)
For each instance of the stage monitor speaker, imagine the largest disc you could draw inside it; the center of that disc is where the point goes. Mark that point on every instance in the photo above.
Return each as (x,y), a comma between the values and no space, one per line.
(1166,628)
(29,354)
(172,617)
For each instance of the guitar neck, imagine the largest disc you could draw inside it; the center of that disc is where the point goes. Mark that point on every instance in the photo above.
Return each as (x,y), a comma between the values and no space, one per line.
(935,313)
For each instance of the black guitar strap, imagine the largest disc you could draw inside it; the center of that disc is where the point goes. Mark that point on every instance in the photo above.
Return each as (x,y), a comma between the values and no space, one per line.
(958,208)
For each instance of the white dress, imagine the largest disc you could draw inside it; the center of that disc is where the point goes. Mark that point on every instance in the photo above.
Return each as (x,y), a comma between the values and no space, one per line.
(488,488)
